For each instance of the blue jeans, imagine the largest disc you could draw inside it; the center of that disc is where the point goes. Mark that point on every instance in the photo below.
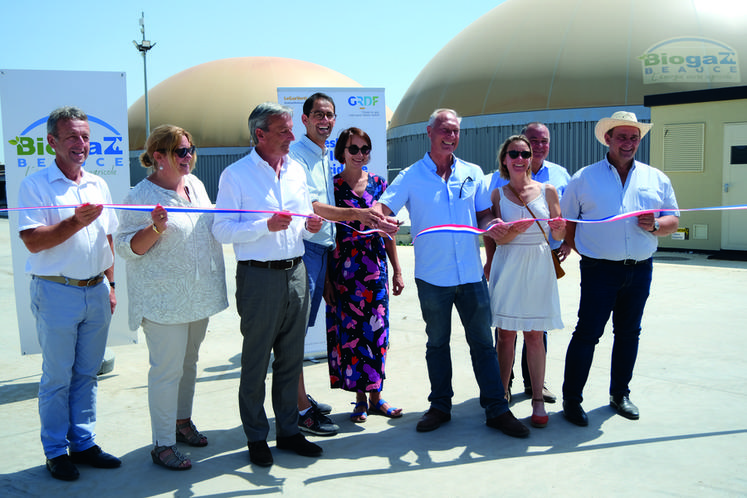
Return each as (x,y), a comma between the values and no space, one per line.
(473,304)
(72,324)
(315,259)
(607,287)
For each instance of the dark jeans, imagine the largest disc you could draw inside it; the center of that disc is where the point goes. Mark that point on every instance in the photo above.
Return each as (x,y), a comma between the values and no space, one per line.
(473,304)
(607,287)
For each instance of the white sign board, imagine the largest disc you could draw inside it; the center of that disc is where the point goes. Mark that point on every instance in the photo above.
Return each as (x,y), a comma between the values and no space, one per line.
(26,99)
(363,108)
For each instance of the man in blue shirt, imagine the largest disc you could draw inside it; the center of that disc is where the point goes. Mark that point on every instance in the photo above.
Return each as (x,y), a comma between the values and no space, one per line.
(543,171)
(616,257)
(312,152)
(442,189)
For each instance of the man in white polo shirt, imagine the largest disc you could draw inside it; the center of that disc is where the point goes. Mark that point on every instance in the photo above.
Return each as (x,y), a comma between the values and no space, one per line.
(72,301)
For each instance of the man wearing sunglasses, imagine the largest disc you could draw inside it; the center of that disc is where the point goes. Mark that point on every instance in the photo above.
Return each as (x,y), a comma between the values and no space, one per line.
(313,153)
(616,263)
(543,171)
(437,190)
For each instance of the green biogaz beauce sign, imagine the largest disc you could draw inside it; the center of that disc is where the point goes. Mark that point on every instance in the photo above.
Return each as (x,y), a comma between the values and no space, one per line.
(33,152)
(690,60)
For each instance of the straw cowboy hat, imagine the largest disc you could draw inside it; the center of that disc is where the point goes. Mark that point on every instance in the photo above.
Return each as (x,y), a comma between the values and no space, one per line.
(620,118)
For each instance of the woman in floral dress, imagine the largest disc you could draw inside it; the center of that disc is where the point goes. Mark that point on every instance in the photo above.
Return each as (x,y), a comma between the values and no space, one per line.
(357,290)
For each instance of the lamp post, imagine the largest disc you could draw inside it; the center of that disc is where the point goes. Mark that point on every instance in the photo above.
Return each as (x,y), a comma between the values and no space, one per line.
(143,48)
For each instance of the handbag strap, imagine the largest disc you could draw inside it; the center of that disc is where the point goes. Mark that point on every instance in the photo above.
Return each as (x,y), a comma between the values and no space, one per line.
(530,211)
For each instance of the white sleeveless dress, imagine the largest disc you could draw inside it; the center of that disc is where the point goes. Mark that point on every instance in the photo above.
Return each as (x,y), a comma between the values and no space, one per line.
(523,286)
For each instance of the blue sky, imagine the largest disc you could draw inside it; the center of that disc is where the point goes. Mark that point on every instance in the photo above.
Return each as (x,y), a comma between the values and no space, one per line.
(378,44)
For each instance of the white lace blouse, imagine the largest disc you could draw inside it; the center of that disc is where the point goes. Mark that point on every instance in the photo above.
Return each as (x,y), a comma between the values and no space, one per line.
(182,277)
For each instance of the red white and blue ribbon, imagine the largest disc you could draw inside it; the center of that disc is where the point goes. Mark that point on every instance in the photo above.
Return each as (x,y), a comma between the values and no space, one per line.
(456,229)
(186,209)
(477,231)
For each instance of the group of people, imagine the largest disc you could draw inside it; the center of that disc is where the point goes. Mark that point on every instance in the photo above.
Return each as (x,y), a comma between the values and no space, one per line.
(291,259)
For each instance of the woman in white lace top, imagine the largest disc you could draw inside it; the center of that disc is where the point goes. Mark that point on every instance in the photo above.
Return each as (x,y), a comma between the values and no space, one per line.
(176,281)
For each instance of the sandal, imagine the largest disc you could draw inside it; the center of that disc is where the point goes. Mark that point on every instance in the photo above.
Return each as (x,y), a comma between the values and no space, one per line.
(193,437)
(391,412)
(171,461)
(539,421)
(359,414)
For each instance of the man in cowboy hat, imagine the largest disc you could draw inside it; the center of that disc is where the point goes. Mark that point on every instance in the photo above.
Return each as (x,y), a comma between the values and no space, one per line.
(616,256)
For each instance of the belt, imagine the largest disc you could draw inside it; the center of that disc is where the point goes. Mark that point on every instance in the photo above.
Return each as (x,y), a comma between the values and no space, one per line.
(624,262)
(71,281)
(281,264)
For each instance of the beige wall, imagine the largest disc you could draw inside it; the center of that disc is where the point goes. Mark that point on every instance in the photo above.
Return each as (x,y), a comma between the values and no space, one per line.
(701,189)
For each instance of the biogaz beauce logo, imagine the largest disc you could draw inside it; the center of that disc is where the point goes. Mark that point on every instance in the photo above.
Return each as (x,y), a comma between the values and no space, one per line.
(105,154)
(690,60)
(361,102)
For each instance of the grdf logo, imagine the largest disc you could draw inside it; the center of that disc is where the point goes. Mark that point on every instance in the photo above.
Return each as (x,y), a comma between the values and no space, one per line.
(361,102)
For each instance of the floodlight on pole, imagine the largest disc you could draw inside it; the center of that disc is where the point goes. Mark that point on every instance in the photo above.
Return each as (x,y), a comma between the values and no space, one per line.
(143,48)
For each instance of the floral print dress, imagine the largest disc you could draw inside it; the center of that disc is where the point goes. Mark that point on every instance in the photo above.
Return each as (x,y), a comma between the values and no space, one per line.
(358,323)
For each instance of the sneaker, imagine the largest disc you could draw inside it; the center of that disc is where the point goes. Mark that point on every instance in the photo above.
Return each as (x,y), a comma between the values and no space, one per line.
(314,422)
(323,408)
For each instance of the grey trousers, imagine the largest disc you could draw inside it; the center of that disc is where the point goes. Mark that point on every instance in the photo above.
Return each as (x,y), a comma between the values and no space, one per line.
(274,308)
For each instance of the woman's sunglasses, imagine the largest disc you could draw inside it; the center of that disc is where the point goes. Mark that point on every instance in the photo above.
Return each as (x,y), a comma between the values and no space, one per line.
(354,150)
(182,152)
(525,154)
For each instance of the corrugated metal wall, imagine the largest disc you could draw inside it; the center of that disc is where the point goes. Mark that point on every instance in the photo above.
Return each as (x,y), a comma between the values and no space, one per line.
(208,169)
(572,145)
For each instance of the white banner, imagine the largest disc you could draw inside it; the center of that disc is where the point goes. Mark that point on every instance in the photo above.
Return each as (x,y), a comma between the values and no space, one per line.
(26,99)
(356,106)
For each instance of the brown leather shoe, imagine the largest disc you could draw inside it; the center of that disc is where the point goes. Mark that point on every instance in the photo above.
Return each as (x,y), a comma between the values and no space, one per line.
(509,424)
(432,420)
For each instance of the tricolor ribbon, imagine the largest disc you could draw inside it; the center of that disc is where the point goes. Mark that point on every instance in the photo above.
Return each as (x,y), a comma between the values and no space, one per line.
(178,209)
(617,217)
(434,229)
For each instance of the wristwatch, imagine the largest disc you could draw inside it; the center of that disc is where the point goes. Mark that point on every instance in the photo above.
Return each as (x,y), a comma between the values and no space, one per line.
(656,227)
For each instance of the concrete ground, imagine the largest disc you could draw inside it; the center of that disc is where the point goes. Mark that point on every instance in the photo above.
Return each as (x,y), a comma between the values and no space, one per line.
(689,384)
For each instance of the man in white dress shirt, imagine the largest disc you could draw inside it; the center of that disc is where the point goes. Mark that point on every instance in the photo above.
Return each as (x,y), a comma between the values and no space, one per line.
(272,293)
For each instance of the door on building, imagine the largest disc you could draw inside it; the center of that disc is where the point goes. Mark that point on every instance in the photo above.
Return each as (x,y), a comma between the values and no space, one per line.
(734,223)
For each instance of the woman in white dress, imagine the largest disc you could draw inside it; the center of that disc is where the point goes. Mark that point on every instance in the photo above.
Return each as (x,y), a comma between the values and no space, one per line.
(175,282)
(523,285)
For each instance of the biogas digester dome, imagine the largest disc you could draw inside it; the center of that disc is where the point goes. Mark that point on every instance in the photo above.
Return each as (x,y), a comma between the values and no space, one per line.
(213,100)
(530,55)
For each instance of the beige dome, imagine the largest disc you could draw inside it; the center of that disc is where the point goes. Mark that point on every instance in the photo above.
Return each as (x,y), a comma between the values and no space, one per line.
(213,100)
(565,54)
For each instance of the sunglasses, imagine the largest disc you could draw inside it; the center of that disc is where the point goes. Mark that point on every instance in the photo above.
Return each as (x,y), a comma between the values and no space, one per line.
(182,152)
(354,150)
(525,154)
